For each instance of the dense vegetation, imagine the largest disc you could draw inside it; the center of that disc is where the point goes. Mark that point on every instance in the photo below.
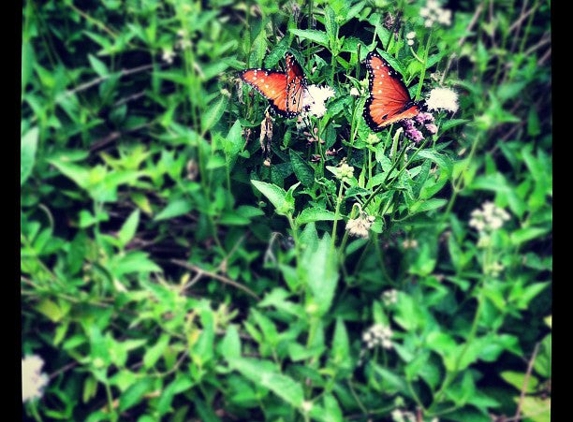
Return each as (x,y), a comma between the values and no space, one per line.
(187,255)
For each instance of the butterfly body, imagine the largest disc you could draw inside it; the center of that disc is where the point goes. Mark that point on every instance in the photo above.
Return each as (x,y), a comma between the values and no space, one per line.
(389,100)
(285,91)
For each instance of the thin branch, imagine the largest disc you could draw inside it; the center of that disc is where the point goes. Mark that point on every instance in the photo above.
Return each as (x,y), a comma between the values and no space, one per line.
(111,137)
(522,16)
(129,98)
(526,381)
(202,273)
(545,57)
(462,40)
(546,39)
(98,80)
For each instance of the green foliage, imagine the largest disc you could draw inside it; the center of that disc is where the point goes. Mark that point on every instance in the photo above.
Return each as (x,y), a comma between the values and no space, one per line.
(187,256)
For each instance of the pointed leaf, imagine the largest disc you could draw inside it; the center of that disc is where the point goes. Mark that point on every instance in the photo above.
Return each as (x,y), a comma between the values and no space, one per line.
(303,171)
(265,374)
(128,228)
(29,145)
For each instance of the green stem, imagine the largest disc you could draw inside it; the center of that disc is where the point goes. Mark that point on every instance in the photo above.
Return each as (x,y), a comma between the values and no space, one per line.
(424,65)
(383,185)
(457,184)
(34,408)
(337,211)
(451,375)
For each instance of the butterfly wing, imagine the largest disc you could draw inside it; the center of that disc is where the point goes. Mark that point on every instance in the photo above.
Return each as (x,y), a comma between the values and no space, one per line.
(270,84)
(389,100)
(296,86)
(284,90)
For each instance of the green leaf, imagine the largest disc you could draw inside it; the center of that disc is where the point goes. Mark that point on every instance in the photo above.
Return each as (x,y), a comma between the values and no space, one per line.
(234,143)
(427,205)
(153,354)
(409,314)
(340,351)
(181,384)
(231,218)
(50,309)
(523,296)
(517,379)
(202,351)
(128,228)
(331,27)
(391,382)
(28,148)
(303,171)
(543,360)
(265,374)
(132,262)
(318,37)
(28,60)
(135,393)
(320,268)
(276,195)
(213,113)
(309,215)
(80,175)
(268,328)
(175,208)
(331,412)
(536,409)
(98,66)
(521,236)
(230,346)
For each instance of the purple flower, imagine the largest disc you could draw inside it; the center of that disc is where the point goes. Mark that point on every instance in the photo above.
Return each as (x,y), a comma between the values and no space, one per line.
(431,127)
(414,134)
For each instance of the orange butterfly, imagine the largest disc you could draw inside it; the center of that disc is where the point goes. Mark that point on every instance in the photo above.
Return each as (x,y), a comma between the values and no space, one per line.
(284,90)
(389,100)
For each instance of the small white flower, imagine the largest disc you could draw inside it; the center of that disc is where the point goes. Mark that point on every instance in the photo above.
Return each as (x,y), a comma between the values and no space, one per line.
(442,98)
(168,55)
(433,13)
(306,406)
(389,297)
(360,226)
(344,171)
(354,92)
(445,17)
(488,218)
(33,380)
(495,268)
(314,98)
(378,335)
(300,123)
(410,244)
(410,37)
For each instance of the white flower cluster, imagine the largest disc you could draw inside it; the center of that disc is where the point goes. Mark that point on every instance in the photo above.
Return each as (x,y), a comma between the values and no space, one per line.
(433,12)
(33,380)
(378,335)
(389,297)
(410,38)
(488,218)
(442,98)
(314,97)
(344,171)
(360,226)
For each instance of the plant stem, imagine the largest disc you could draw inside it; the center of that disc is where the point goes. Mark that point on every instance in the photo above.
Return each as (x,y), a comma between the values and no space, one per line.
(337,211)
